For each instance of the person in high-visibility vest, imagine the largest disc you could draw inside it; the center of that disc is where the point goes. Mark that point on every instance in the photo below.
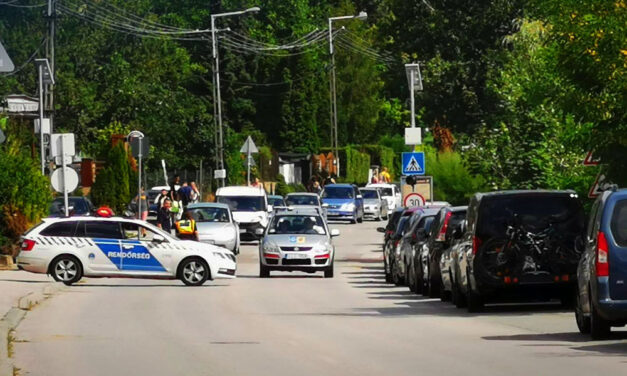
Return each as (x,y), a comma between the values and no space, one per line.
(186,228)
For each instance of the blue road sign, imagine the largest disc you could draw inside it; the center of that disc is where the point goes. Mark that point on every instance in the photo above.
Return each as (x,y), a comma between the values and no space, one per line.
(414,163)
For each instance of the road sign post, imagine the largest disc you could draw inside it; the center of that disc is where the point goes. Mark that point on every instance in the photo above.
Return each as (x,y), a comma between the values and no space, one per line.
(64,179)
(414,163)
(139,149)
(249,148)
(422,186)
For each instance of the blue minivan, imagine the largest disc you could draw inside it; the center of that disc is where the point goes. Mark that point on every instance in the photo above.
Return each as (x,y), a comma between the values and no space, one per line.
(345,202)
(602,272)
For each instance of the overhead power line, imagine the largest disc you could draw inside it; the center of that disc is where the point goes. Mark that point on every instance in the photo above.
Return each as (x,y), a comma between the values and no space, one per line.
(16,4)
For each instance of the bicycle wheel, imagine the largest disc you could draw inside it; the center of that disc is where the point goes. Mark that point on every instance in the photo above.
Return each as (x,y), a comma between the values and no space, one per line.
(497,258)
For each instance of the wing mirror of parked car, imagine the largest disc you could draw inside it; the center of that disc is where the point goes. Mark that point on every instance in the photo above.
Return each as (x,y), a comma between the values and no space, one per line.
(381,229)
(259,231)
(335,232)
(359,197)
(325,205)
(270,209)
(158,239)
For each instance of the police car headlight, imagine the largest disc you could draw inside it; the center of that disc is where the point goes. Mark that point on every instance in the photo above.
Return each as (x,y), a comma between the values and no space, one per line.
(269,247)
(219,254)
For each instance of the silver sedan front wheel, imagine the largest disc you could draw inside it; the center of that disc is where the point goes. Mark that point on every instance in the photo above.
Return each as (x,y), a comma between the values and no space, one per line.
(194,272)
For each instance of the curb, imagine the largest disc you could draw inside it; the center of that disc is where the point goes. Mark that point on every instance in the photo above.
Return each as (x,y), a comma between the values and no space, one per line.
(14,316)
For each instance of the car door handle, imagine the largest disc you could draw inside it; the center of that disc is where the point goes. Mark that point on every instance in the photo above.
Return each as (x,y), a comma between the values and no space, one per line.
(128,246)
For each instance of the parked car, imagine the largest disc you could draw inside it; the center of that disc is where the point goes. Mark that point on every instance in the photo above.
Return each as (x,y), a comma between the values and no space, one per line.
(375,206)
(450,245)
(602,273)
(431,251)
(345,202)
(521,244)
(249,206)
(454,253)
(297,240)
(403,263)
(392,246)
(390,192)
(78,206)
(276,201)
(216,225)
(390,227)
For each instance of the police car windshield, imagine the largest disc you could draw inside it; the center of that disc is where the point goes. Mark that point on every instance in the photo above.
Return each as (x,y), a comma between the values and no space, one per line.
(210,214)
(337,192)
(369,194)
(302,200)
(244,203)
(387,192)
(276,201)
(297,224)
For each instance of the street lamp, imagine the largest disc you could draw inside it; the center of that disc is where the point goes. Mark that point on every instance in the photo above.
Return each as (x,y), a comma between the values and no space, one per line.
(140,136)
(45,77)
(216,87)
(332,85)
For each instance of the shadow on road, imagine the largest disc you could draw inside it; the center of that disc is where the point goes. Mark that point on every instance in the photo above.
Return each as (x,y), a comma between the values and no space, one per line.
(601,349)
(206,285)
(23,281)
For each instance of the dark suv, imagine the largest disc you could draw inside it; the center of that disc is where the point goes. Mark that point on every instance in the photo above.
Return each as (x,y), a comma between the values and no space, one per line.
(521,244)
(602,273)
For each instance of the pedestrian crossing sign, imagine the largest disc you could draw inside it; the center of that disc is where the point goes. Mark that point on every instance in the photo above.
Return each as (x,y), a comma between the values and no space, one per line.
(414,163)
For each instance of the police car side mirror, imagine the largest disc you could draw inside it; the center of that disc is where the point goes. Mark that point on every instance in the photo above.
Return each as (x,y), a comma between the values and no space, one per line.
(259,231)
(158,239)
(325,205)
(359,197)
(270,209)
(335,232)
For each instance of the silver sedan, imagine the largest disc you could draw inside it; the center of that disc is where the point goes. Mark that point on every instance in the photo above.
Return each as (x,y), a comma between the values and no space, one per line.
(375,206)
(215,225)
(297,240)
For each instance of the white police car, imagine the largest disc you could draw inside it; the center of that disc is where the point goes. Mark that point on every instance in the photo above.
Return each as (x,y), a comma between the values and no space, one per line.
(70,248)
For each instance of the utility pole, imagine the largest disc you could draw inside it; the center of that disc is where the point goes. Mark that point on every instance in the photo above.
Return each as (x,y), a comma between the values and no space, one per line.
(333,87)
(217,94)
(50,55)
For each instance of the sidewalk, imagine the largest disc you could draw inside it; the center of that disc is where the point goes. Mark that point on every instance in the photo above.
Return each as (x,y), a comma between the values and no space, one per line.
(19,292)
(16,284)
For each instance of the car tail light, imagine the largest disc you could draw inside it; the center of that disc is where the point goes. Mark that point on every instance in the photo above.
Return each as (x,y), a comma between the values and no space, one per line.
(602,262)
(27,245)
(442,235)
(476,243)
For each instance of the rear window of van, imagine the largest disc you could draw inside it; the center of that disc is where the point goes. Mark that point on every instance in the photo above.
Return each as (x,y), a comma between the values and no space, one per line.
(618,224)
(534,211)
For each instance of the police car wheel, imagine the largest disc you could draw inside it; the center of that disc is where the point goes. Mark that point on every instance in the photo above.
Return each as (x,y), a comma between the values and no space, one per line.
(194,272)
(66,269)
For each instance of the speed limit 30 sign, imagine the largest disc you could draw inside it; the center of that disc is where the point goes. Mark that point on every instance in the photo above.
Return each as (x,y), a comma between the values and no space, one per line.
(413,200)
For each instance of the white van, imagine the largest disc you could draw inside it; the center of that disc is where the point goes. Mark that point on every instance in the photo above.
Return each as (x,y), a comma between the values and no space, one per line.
(390,193)
(249,206)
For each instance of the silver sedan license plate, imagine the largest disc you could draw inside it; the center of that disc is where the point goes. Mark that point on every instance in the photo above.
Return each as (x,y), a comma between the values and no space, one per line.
(292,256)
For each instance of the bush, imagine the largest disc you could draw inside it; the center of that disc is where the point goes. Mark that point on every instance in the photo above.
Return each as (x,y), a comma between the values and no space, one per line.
(355,165)
(112,185)
(452,180)
(24,194)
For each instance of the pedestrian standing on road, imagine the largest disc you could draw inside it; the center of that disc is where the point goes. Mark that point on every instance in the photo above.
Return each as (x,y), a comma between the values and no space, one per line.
(385,176)
(185,194)
(163,216)
(195,193)
(186,227)
(161,197)
(173,187)
(316,187)
(141,199)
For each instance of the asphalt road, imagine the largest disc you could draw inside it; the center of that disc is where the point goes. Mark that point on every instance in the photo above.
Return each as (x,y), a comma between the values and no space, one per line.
(299,324)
